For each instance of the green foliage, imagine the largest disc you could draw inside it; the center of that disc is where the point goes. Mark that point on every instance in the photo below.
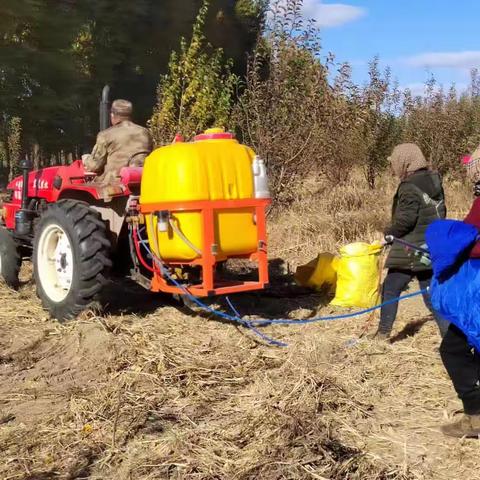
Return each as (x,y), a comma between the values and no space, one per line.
(251,8)
(38,76)
(55,57)
(198,90)
(251,14)
(3,156)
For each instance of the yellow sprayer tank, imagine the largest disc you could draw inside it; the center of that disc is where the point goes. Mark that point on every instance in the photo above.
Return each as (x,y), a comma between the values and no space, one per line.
(213,167)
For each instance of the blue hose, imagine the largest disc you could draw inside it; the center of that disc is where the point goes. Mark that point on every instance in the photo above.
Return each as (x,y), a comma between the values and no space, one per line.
(252,327)
(289,321)
(253,324)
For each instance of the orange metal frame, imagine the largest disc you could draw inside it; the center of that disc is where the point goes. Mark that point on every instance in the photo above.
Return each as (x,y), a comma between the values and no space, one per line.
(208,260)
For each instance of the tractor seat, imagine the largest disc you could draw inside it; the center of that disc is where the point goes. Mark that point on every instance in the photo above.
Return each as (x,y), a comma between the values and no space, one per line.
(131,175)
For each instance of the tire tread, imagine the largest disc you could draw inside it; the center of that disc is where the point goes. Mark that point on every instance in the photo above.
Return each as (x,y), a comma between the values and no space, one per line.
(93,264)
(12,262)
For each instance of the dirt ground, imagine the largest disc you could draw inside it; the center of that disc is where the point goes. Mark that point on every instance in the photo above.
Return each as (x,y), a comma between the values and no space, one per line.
(152,391)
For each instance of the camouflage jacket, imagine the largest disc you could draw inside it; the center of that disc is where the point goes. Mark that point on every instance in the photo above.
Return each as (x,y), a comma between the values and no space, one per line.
(124,144)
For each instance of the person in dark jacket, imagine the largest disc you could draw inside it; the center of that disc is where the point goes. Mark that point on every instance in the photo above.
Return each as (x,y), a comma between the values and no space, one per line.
(461,361)
(419,201)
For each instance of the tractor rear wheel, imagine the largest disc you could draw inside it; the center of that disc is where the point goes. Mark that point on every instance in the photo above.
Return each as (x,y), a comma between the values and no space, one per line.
(10,259)
(71,258)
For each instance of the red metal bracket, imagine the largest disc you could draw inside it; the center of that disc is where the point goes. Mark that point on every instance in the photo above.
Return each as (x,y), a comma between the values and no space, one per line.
(210,285)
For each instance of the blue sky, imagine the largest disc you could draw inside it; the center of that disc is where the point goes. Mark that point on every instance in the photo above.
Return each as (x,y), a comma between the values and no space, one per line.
(414,37)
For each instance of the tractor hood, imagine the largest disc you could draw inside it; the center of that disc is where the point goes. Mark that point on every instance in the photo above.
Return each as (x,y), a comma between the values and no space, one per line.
(40,184)
(54,183)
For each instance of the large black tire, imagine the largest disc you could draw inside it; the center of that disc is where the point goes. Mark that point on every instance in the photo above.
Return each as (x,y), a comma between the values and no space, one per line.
(71,258)
(10,259)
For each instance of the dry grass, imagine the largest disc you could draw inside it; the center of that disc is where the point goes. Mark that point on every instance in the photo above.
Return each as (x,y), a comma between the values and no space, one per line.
(167,395)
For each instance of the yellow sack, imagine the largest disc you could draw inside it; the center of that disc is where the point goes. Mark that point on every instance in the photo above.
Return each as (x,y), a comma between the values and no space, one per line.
(358,276)
(318,274)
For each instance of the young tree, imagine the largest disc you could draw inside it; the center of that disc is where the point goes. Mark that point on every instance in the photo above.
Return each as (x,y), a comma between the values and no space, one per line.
(288,111)
(382,128)
(198,90)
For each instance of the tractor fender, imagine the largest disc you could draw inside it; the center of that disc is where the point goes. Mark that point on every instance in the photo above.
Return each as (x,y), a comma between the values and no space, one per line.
(81,195)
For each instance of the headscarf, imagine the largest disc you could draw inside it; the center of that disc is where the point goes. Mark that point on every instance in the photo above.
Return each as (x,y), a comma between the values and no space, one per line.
(406,159)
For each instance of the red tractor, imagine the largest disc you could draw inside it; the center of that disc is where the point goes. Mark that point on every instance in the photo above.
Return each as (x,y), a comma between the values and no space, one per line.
(76,231)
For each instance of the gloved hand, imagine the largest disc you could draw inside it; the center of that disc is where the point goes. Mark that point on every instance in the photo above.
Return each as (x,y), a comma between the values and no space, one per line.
(85,158)
(389,239)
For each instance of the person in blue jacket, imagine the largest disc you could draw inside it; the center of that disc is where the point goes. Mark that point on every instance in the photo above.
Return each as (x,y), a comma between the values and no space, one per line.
(459,353)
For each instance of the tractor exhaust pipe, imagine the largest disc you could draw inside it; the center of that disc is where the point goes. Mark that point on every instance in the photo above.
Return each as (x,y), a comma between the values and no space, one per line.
(105,108)
(25,166)
(24,217)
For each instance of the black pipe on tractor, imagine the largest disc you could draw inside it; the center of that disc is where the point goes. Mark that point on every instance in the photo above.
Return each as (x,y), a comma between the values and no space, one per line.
(24,217)
(105,108)
(25,167)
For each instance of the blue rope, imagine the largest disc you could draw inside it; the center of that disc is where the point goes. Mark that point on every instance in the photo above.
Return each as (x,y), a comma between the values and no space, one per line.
(253,324)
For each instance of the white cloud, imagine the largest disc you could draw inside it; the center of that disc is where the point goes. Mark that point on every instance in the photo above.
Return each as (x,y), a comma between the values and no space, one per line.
(331,14)
(461,60)
(418,88)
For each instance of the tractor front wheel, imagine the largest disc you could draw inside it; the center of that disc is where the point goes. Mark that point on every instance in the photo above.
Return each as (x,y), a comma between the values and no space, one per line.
(71,258)
(10,259)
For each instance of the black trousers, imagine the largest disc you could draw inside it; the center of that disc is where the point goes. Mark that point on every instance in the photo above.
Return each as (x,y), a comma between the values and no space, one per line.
(395,283)
(462,363)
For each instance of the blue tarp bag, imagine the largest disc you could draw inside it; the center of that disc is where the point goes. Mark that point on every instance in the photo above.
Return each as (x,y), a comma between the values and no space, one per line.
(455,287)
(448,242)
(457,299)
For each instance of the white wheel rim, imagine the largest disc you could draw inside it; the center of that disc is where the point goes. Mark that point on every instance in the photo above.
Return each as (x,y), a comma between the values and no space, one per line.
(55,262)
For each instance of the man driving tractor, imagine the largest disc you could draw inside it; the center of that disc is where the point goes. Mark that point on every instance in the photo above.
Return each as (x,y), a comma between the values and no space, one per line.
(123,144)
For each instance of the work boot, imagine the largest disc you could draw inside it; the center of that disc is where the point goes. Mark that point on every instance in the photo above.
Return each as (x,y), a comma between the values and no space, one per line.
(468,426)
